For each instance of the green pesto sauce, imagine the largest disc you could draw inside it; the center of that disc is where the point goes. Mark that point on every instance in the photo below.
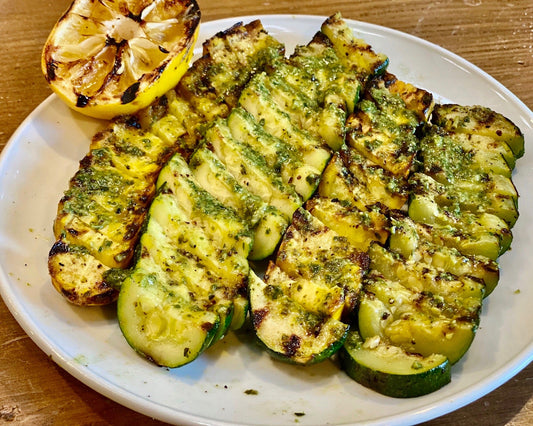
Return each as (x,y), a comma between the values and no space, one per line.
(101,181)
(116,276)
(285,153)
(78,249)
(394,106)
(312,63)
(442,153)
(122,146)
(206,204)
(297,100)
(257,160)
(100,194)
(272,292)
(309,320)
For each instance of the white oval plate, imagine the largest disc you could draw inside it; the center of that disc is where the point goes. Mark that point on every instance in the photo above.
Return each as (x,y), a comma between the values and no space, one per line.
(34,171)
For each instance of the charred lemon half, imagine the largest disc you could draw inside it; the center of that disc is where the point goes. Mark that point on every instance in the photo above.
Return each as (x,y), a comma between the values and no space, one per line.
(106,58)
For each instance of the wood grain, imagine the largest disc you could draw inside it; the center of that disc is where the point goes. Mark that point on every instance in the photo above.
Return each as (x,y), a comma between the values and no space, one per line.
(495,35)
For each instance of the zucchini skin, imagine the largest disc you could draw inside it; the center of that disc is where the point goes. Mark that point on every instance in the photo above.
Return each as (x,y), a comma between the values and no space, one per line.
(387,376)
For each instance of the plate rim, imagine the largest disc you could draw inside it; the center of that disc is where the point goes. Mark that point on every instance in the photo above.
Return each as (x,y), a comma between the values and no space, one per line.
(151,408)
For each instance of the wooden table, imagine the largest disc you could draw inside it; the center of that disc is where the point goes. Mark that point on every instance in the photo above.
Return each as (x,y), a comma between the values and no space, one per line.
(495,35)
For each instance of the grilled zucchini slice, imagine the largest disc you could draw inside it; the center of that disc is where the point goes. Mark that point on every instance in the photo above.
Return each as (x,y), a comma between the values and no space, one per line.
(479,120)
(417,321)
(162,312)
(256,99)
(315,296)
(356,54)
(306,112)
(494,194)
(229,59)
(480,193)
(383,129)
(208,212)
(463,293)
(390,370)
(353,180)
(288,330)
(415,99)
(447,156)
(386,150)
(267,222)
(311,287)
(192,266)
(381,185)
(473,171)
(338,89)
(484,197)
(410,303)
(213,176)
(487,234)
(101,212)
(417,242)
(109,194)
(381,147)
(79,276)
(280,156)
(360,228)
(173,119)
(337,84)
(251,170)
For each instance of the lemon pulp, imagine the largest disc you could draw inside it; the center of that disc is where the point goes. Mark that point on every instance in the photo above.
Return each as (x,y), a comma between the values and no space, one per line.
(107,58)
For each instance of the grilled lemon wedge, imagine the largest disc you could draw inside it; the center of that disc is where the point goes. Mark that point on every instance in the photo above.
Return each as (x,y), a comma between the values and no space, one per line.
(107,58)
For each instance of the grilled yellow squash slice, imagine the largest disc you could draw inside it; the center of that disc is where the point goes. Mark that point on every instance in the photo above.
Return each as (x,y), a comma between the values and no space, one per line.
(312,285)
(100,215)
(311,250)
(288,330)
